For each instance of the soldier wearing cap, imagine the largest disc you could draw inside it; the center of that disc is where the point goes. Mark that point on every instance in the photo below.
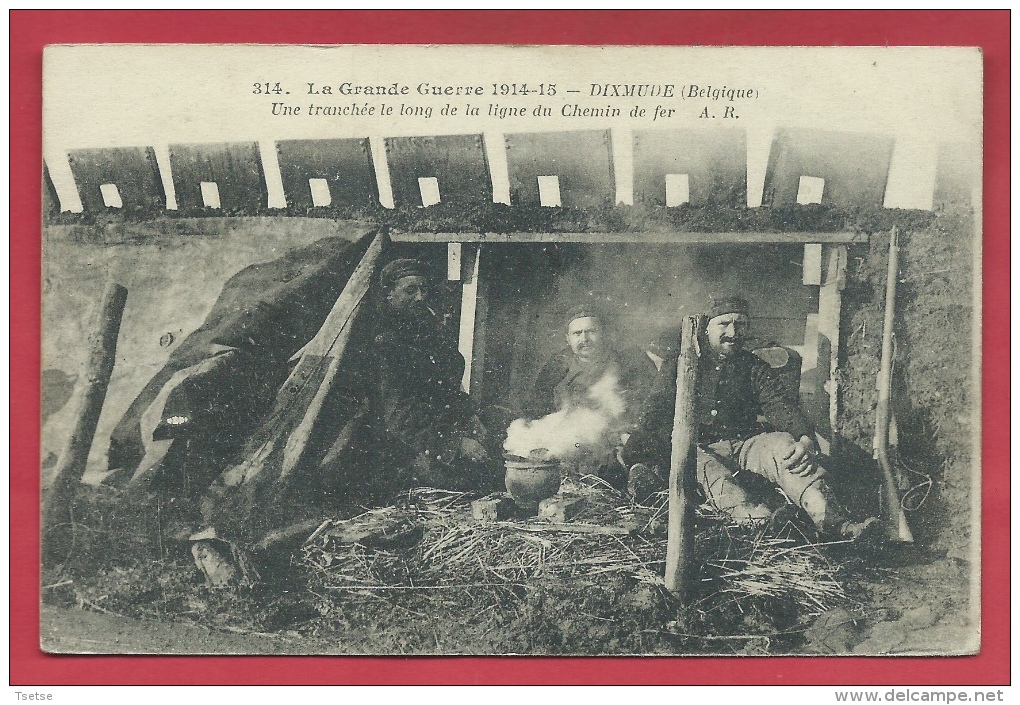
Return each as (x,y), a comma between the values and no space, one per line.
(569,376)
(734,389)
(429,425)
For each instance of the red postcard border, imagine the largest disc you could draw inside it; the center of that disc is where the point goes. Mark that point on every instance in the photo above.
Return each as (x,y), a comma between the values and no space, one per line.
(30,31)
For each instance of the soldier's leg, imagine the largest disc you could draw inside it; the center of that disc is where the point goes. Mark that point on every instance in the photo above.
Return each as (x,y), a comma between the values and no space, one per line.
(716,466)
(764,454)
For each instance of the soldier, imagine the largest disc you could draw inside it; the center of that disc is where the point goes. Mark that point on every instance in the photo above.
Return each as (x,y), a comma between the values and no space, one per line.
(592,373)
(734,388)
(428,425)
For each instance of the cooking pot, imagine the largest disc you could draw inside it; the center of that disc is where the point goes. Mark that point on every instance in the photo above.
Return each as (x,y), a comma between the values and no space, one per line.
(530,480)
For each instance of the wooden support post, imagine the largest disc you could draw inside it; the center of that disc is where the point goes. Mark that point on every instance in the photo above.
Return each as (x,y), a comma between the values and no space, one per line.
(57,533)
(812,275)
(454,252)
(683,463)
(830,302)
(473,311)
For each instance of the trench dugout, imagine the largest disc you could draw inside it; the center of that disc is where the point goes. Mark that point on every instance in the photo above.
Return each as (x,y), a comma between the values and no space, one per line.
(513,296)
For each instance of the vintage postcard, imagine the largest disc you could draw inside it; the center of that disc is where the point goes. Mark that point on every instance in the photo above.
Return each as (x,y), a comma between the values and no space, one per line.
(496,350)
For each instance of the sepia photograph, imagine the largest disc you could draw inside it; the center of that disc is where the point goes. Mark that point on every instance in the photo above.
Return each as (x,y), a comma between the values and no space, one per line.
(511,350)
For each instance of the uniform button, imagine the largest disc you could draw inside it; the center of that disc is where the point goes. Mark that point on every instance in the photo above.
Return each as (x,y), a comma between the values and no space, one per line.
(715,412)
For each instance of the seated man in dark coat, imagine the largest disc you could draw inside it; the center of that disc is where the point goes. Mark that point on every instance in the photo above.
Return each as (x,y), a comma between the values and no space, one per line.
(569,375)
(734,388)
(428,425)
(591,373)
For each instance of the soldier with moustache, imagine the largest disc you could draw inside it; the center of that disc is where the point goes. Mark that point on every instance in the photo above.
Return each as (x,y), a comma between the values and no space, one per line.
(734,389)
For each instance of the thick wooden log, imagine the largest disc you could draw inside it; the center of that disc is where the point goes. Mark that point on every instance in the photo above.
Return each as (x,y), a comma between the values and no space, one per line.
(682,464)
(57,533)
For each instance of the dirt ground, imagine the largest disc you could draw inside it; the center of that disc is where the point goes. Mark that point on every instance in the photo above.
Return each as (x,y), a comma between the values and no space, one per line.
(917,603)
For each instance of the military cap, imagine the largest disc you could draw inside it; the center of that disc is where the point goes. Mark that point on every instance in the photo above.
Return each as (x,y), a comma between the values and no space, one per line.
(397,270)
(588,310)
(721,305)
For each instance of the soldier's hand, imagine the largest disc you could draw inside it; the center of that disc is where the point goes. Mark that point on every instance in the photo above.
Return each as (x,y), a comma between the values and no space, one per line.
(801,459)
(473,450)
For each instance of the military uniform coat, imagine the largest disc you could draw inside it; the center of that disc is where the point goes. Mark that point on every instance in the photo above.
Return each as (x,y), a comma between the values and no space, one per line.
(732,394)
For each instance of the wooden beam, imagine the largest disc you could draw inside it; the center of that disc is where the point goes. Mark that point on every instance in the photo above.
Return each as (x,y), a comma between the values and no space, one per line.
(813,373)
(329,345)
(454,254)
(830,303)
(641,238)
(812,275)
(682,464)
(473,309)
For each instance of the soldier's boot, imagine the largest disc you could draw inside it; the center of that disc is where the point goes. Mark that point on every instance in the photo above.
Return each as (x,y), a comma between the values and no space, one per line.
(644,482)
(831,521)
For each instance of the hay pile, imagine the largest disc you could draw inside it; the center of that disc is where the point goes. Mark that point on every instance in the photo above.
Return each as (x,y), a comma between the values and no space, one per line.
(428,544)
(431,542)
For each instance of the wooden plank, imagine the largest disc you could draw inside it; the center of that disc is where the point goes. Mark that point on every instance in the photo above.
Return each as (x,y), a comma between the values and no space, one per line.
(330,343)
(814,375)
(454,252)
(582,160)
(133,170)
(457,162)
(812,264)
(345,164)
(235,168)
(830,302)
(282,437)
(809,354)
(473,312)
(855,166)
(714,159)
(641,238)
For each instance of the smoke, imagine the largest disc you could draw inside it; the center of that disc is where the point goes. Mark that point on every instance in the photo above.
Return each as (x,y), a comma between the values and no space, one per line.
(580,430)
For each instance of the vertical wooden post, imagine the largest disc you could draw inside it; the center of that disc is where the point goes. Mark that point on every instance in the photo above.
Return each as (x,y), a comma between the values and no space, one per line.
(683,463)
(830,301)
(56,511)
(473,311)
(468,306)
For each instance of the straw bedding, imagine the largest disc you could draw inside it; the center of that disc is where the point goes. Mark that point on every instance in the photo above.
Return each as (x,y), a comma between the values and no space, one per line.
(427,544)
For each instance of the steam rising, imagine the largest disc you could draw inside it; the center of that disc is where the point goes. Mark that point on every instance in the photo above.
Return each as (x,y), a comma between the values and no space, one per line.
(583,429)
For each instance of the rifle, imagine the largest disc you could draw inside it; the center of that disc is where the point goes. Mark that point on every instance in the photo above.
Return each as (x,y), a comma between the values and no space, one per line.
(895,517)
